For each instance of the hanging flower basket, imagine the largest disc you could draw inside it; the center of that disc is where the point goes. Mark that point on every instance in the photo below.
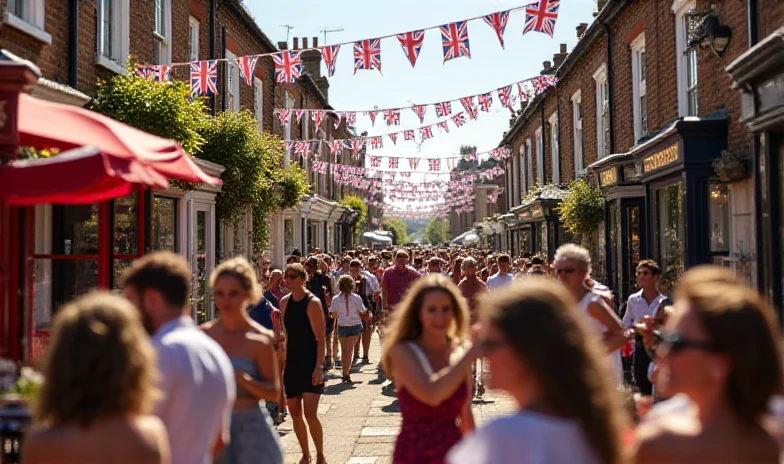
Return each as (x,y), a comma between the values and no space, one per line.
(731,167)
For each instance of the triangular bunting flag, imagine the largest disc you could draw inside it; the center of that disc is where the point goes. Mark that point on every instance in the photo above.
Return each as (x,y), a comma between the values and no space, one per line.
(498,22)
(426,132)
(336,147)
(162,72)
(146,71)
(454,40)
(338,117)
(351,118)
(420,111)
(459,119)
(299,114)
(317,116)
(443,109)
(247,65)
(468,105)
(408,135)
(485,101)
(443,126)
(392,117)
(413,163)
(288,67)
(329,54)
(372,115)
(376,143)
(505,96)
(283,115)
(393,137)
(412,44)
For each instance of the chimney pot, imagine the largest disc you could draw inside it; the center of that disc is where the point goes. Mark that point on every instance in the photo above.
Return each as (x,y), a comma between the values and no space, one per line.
(283,45)
(581,30)
(296,43)
(563,48)
(315,42)
(304,43)
(547,65)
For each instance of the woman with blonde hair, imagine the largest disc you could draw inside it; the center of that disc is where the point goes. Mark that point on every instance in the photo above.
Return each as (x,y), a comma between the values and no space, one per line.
(98,392)
(720,348)
(349,308)
(424,354)
(568,414)
(251,349)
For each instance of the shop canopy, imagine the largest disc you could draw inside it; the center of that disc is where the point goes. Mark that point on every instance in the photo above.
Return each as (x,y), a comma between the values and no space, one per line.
(375,237)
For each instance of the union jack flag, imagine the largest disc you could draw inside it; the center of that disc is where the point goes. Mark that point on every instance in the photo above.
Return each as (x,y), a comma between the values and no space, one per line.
(288,144)
(204,77)
(540,16)
(498,22)
(413,163)
(372,115)
(505,96)
(454,40)
(329,54)
(443,109)
(412,44)
(408,135)
(522,92)
(444,126)
(434,164)
(376,143)
(283,115)
(146,71)
(299,114)
(375,161)
(420,111)
(468,105)
(393,137)
(338,117)
(302,148)
(288,67)
(317,116)
(426,132)
(357,144)
(485,101)
(367,55)
(247,64)
(392,117)
(162,72)
(459,119)
(541,83)
(351,118)
(335,147)
(393,163)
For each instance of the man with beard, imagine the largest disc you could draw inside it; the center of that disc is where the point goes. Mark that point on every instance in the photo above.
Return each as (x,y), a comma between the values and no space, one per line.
(197,377)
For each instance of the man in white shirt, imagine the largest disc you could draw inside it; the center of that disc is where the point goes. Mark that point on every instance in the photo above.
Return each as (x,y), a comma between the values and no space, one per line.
(641,304)
(197,377)
(503,276)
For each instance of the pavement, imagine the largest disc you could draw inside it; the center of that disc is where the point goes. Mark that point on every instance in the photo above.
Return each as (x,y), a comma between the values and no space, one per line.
(361,421)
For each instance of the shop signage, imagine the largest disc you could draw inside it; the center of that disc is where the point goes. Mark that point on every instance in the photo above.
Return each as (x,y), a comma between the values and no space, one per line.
(608,177)
(536,211)
(660,159)
(525,214)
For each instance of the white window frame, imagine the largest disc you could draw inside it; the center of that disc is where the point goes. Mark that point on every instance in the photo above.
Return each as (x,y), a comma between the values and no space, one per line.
(602,111)
(682,57)
(522,173)
(31,19)
(163,39)
(115,58)
(289,102)
(539,156)
(529,164)
(578,138)
(639,91)
(193,37)
(232,82)
(555,152)
(258,101)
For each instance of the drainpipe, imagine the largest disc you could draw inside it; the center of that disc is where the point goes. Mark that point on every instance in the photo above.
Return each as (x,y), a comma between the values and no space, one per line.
(751,18)
(73,42)
(211,21)
(610,86)
(225,68)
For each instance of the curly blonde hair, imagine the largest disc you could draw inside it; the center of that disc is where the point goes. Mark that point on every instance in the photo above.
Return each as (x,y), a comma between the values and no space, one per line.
(240,269)
(99,364)
(404,324)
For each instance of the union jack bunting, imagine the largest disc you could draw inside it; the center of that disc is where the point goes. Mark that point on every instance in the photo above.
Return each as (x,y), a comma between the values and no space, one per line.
(204,77)
(329,54)
(426,132)
(540,16)
(356,145)
(444,126)
(299,114)
(288,144)
(283,115)
(162,72)
(485,101)
(335,147)
(288,67)
(413,163)
(541,83)
(498,22)
(522,92)
(408,135)
(412,44)
(302,148)
(505,96)
(317,116)
(376,143)
(459,119)
(351,118)
(443,109)
(247,64)
(393,163)
(146,71)
(375,161)
(392,117)
(434,164)
(420,111)
(338,117)
(468,105)
(454,40)
(372,115)
(393,137)
(367,55)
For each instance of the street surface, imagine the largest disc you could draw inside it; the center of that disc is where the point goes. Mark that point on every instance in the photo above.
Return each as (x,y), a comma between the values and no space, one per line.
(361,421)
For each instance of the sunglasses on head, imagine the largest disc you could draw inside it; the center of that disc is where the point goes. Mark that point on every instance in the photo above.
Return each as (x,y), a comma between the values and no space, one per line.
(674,342)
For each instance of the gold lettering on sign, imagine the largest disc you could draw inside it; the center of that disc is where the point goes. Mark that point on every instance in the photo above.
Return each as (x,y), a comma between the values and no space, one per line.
(660,159)
(608,177)
(536,211)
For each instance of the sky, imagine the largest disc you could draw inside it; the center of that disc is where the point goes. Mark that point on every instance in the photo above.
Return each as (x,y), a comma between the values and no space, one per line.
(432,80)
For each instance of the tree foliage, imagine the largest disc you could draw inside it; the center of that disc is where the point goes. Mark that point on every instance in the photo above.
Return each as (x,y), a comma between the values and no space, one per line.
(582,211)
(357,204)
(438,231)
(398,228)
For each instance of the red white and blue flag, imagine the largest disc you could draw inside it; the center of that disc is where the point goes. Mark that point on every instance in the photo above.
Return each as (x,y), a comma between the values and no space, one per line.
(162,72)
(485,101)
(540,16)
(413,163)
(375,161)
(392,117)
(505,96)
(317,116)
(408,135)
(335,147)
(454,40)
(283,115)
(444,126)
(393,163)
(329,54)
(412,44)
(426,132)
(372,115)
(443,109)
(434,164)
(468,105)
(204,77)
(393,137)
(367,55)
(288,67)
(420,111)
(459,119)
(146,71)
(376,143)
(498,22)
(247,64)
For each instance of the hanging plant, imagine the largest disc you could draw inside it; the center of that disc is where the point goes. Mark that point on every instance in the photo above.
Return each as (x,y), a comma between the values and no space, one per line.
(731,167)
(582,210)
(355,203)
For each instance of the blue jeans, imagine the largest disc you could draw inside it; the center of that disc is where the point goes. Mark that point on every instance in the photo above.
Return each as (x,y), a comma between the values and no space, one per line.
(349,331)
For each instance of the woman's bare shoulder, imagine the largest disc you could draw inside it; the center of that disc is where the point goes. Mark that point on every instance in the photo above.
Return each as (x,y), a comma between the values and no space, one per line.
(260,334)
(657,439)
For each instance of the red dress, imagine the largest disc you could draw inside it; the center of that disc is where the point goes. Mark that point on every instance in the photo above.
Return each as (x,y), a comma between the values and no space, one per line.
(428,433)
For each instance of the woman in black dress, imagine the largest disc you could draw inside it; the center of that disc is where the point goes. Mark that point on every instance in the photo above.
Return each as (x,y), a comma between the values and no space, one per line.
(303,377)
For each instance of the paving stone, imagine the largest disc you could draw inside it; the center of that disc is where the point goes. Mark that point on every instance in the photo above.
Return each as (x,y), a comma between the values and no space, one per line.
(379,431)
(362,460)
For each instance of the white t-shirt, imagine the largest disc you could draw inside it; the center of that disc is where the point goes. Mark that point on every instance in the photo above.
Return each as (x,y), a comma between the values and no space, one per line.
(498,280)
(525,438)
(348,311)
(193,368)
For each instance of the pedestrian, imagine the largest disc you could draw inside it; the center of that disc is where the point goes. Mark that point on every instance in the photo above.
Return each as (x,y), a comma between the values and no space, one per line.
(395,282)
(369,290)
(572,268)
(303,374)
(321,287)
(193,365)
(275,289)
(350,310)
(541,353)
(721,350)
(503,277)
(98,393)
(427,335)
(639,305)
(251,349)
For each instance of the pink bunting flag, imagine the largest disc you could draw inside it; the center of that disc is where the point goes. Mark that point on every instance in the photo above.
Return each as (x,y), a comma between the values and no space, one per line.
(372,115)
(376,143)
(393,137)
(408,135)
(299,114)
(317,116)
(443,126)
(420,111)
(357,144)
(392,117)
(468,105)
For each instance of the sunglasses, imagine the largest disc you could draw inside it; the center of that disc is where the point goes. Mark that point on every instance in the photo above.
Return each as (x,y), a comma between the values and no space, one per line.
(675,342)
(292,276)
(567,270)
(266,263)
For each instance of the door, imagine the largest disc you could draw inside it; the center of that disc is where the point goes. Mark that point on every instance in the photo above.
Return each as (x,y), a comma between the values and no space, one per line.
(633,242)
(202,260)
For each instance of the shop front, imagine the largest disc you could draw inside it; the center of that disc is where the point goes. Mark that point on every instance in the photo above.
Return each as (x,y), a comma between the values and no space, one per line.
(759,74)
(540,231)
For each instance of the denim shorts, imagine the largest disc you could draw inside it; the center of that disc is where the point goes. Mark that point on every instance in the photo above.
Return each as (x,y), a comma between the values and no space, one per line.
(349,331)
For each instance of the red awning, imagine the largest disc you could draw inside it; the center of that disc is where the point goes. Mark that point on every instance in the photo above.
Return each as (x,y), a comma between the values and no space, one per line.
(79,176)
(44,124)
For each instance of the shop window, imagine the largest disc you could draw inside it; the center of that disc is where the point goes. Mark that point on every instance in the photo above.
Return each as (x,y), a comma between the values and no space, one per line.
(634,244)
(193,39)
(258,102)
(639,93)
(719,215)
(686,58)
(543,233)
(577,123)
(232,82)
(668,233)
(539,157)
(164,224)
(288,235)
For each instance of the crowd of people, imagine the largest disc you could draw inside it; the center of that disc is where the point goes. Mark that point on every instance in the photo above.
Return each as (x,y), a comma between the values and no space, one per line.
(704,383)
